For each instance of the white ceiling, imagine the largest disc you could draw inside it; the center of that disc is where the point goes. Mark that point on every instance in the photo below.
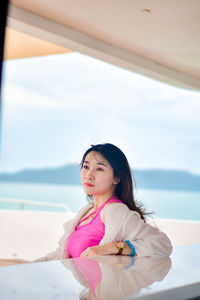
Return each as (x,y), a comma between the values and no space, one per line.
(160,39)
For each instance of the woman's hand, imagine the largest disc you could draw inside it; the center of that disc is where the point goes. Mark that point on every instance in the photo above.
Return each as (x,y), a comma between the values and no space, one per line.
(9,262)
(106,249)
(91,251)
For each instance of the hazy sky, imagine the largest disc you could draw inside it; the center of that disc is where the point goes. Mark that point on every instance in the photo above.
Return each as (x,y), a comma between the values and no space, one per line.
(54,107)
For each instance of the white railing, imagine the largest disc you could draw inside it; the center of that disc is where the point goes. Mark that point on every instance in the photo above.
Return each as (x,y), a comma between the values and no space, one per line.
(23,202)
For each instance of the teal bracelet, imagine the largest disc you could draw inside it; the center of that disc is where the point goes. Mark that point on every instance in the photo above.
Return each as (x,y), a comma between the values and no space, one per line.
(132,248)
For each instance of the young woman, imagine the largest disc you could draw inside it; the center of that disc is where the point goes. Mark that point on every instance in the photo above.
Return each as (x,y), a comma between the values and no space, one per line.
(112,223)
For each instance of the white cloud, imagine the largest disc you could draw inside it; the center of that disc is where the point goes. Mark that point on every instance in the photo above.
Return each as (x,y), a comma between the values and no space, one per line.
(21,96)
(68,102)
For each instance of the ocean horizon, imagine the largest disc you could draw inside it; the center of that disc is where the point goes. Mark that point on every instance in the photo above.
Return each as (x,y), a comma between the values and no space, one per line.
(170,204)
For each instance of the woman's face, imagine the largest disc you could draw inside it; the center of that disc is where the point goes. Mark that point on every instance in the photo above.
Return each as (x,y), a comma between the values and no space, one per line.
(97,175)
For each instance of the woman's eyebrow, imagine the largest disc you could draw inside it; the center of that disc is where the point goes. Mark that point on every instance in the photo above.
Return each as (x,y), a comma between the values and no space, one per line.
(101,163)
(98,163)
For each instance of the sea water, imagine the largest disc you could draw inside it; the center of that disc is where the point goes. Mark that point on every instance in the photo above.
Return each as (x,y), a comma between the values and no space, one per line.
(164,203)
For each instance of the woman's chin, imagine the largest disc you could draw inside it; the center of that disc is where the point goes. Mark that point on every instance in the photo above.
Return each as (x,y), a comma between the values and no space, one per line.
(88,190)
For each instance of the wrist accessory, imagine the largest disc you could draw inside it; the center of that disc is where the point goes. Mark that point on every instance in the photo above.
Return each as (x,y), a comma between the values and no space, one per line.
(132,248)
(120,246)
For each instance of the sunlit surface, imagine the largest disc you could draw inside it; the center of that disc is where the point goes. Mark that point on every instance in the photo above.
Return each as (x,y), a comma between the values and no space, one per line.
(106,277)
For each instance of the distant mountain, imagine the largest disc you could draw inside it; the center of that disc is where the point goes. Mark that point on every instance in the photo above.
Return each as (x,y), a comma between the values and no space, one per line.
(167,179)
(68,174)
(146,179)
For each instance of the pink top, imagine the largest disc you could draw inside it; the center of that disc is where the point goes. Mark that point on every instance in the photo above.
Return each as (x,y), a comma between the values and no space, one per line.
(89,234)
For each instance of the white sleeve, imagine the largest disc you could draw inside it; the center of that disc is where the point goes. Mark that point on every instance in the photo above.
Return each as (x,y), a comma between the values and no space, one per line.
(147,240)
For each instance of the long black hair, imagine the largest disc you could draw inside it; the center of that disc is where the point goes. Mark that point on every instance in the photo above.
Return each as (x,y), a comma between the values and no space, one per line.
(118,161)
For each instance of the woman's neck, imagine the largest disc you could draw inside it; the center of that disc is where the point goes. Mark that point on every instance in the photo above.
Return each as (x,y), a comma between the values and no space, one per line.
(101,199)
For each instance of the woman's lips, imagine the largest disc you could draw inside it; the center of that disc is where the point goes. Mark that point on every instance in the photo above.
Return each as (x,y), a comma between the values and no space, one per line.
(88,184)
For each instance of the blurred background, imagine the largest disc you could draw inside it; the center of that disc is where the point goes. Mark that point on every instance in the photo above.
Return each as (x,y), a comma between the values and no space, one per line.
(56,106)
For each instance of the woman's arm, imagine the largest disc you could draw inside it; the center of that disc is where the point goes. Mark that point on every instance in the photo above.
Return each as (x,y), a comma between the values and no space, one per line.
(10,262)
(146,239)
(106,249)
(122,224)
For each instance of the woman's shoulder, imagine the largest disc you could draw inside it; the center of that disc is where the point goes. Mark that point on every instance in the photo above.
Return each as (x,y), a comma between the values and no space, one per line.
(116,204)
(114,209)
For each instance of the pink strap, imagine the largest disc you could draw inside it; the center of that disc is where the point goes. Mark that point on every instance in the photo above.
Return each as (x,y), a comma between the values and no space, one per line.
(100,208)
(87,216)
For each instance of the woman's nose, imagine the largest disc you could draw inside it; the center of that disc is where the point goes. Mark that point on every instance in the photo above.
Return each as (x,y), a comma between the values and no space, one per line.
(90,174)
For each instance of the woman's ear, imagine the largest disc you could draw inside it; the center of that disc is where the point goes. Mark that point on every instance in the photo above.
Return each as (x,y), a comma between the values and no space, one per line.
(116,181)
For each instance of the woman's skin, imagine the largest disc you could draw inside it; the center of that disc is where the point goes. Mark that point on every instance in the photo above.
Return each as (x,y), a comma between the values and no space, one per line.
(97,178)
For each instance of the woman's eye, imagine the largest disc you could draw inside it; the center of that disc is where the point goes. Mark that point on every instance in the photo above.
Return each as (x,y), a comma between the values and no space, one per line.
(99,169)
(85,167)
